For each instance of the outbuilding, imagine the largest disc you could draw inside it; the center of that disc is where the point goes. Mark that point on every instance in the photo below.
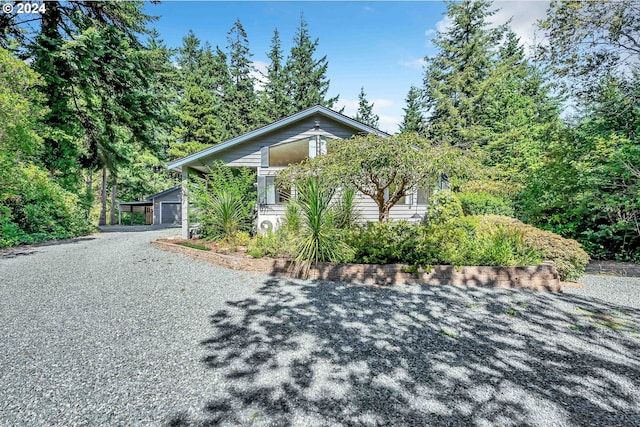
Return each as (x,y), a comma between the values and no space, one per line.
(161,208)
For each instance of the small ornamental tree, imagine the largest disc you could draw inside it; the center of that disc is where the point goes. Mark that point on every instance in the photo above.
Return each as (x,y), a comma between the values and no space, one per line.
(383,168)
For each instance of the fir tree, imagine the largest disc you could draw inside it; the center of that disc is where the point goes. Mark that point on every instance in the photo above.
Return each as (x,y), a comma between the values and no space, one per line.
(455,78)
(276,102)
(413,120)
(365,112)
(306,76)
(241,101)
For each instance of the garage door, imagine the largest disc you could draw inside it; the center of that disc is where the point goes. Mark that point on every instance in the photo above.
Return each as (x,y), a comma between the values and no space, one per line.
(171,213)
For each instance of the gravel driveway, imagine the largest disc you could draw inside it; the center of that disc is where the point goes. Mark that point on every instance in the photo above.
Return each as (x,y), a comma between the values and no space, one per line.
(107,330)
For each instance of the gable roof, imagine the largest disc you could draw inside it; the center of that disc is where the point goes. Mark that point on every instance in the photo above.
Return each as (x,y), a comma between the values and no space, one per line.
(318,109)
(162,193)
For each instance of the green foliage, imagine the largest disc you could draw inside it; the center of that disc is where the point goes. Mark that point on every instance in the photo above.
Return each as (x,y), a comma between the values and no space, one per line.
(194,246)
(483,204)
(455,78)
(567,254)
(292,218)
(276,102)
(346,214)
(306,76)
(319,238)
(476,240)
(38,209)
(444,207)
(389,243)
(223,201)
(413,119)
(385,169)
(365,112)
(32,207)
(590,40)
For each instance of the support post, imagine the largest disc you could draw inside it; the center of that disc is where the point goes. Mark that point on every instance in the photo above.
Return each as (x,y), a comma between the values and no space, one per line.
(185,203)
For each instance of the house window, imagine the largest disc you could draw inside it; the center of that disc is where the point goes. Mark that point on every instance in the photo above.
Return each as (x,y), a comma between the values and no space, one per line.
(404,200)
(293,152)
(290,153)
(271,194)
(423,196)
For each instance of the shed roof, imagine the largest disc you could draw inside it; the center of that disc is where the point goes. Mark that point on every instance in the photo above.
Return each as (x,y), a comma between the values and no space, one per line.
(318,109)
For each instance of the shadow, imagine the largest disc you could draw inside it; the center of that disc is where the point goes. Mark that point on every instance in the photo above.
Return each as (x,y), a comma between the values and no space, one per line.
(321,353)
(614,268)
(16,251)
(135,228)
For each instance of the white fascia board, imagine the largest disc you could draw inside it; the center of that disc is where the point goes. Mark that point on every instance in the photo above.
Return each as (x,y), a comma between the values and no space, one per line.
(177,165)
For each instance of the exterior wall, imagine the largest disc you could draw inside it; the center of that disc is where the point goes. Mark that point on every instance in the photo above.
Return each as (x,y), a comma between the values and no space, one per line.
(172,196)
(248,153)
(369,209)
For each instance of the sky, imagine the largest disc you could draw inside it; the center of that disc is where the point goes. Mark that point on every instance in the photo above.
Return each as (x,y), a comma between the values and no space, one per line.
(377,45)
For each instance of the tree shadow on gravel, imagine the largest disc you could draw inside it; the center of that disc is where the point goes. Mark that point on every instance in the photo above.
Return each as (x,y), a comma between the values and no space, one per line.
(335,354)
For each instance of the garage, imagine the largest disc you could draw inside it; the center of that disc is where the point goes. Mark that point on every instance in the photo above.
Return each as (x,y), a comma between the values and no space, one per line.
(170,213)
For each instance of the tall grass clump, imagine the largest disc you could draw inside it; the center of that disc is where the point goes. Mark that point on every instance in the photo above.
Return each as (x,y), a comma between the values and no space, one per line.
(319,239)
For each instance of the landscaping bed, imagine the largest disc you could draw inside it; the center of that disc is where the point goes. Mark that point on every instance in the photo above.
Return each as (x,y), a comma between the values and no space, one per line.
(539,277)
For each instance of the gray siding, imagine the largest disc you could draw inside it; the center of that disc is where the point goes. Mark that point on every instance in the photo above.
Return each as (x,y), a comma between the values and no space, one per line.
(173,196)
(369,209)
(248,153)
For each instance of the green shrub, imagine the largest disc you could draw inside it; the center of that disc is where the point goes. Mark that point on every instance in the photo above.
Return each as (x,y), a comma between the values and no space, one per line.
(567,254)
(484,204)
(445,206)
(292,220)
(388,242)
(223,201)
(194,246)
(319,239)
(470,240)
(33,208)
(345,212)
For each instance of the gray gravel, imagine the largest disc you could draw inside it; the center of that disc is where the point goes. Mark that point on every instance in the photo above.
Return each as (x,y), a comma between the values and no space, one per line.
(108,330)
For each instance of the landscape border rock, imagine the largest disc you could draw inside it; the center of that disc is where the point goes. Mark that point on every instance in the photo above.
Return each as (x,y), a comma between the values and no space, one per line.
(543,277)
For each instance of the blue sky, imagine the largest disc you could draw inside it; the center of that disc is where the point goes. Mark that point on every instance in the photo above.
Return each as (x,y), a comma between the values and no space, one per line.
(378,45)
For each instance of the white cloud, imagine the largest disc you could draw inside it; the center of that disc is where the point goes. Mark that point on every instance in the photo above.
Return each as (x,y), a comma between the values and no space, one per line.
(414,63)
(524,15)
(381,103)
(388,122)
(259,74)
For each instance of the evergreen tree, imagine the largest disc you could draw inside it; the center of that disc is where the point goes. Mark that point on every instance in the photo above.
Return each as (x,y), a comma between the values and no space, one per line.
(276,102)
(98,84)
(201,114)
(241,101)
(365,112)
(189,57)
(413,120)
(455,78)
(306,76)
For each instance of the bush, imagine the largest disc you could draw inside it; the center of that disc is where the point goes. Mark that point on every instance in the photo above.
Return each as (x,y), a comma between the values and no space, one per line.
(567,254)
(33,208)
(387,243)
(223,201)
(445,206)
(484,204)
(473,240)
(319,239)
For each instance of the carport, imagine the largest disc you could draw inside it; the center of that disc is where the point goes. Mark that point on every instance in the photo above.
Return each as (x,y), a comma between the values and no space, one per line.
(145,207)
(164,208)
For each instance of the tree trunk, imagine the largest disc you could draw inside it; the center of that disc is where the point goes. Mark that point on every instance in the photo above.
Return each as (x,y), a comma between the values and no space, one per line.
(383,214)
(89,194)
(103,198)
(113,220)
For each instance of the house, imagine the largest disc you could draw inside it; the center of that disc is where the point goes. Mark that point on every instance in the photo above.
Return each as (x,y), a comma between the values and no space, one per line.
(275,146)
(161,208)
